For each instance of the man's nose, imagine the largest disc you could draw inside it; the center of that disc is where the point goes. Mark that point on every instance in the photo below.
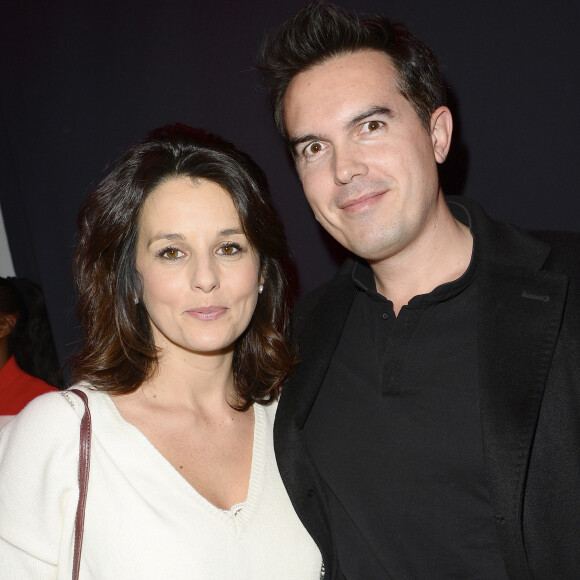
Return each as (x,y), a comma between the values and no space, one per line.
(348,163)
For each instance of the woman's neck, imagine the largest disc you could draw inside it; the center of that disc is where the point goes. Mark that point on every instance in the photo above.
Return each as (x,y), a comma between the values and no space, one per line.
(199,382)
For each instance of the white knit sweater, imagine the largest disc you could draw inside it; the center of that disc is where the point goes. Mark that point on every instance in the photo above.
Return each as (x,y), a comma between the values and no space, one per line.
(143,520)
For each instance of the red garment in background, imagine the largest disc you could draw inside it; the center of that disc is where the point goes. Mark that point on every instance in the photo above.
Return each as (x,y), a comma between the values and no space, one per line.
(18,388)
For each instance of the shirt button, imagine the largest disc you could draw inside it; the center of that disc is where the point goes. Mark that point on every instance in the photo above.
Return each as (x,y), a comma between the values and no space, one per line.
(385,315)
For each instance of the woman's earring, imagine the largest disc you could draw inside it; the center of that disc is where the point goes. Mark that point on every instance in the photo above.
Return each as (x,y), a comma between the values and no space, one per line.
(136,300)
(260,288)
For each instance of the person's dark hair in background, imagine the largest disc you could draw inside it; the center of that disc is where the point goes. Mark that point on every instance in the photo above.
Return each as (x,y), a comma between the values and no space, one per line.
(322,31)
(119,352)
(30,341)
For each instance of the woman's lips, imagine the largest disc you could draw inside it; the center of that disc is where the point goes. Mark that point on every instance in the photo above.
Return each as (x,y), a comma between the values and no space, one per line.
(208,312)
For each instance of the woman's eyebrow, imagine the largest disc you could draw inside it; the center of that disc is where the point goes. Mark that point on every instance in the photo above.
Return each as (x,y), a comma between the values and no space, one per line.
(165,236)
(230,232)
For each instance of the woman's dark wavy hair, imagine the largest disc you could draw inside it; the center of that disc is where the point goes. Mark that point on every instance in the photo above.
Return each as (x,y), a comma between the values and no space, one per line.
(31,341)
(321,31)
(119,353)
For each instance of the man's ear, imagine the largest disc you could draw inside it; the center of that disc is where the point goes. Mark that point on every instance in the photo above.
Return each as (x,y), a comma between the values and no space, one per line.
(7,324)
(441,129)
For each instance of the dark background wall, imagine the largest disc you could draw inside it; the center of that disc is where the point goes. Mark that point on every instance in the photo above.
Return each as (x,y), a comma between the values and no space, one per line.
(82,80)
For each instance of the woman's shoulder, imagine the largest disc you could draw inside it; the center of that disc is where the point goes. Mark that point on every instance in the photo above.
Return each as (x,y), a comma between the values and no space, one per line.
(47,420)
(48,404)
(38,473)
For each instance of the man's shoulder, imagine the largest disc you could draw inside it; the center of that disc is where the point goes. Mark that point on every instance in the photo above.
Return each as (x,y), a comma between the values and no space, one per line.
(559,241)
(564,256)
(504,242)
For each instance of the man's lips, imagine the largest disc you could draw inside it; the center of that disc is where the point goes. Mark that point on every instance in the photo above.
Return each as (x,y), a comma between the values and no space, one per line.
(362,202)
(208,312)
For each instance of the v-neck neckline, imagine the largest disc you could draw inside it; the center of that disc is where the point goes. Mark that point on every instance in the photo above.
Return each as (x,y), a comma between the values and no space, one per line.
(167,471)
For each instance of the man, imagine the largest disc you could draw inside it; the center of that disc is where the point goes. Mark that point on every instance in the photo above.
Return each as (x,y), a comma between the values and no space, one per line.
(432,429)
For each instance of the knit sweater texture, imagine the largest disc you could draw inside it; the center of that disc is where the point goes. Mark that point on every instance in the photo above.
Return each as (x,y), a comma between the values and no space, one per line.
(143,519)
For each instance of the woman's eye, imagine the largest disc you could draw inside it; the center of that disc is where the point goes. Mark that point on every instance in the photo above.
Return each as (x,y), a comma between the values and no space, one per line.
(171,253)
(229,249)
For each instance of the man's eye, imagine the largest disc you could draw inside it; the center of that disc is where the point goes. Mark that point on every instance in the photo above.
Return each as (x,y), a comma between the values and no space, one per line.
(371,126)
(171,253)
(313,149)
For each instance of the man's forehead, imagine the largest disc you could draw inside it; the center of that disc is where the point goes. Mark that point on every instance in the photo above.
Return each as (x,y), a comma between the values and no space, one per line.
(341,88)
(352,61)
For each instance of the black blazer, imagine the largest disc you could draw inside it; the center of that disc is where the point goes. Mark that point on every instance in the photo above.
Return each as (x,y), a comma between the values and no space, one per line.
(529,385)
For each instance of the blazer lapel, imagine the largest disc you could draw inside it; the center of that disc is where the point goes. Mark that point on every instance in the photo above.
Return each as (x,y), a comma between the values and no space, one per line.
(520,314)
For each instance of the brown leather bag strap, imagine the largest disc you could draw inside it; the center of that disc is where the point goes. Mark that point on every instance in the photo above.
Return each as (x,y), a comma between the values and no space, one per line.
(84,466)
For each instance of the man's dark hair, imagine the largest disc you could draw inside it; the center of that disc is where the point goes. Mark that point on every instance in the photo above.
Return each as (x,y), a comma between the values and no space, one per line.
(119,352)
(321,31)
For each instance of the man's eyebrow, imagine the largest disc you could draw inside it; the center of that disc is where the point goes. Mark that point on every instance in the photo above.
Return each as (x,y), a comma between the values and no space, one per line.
(372,111)
(382,111)
(293,143)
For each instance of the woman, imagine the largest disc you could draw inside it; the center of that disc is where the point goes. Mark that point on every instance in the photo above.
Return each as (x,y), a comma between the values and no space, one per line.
(28,360)
(182,300)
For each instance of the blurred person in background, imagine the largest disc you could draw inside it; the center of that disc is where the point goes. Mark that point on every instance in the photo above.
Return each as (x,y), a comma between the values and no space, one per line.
(28,360)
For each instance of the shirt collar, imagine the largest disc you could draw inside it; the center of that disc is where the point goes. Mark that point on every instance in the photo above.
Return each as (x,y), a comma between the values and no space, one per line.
(364,279)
